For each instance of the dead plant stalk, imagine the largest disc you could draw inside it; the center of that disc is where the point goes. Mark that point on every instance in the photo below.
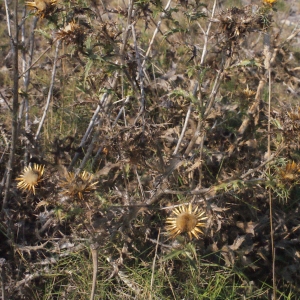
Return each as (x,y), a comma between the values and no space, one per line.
(14,47)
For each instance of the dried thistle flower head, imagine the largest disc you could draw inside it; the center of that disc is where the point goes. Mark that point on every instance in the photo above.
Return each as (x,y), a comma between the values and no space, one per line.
(78,185)
(295,115)
(236,22)
(290,172)
(248,93)
(186,221)
(30,178)
(43,7)
(270,2)
(72,33)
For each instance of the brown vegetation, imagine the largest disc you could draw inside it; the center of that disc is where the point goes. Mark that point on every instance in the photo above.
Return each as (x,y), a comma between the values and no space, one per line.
(116,115)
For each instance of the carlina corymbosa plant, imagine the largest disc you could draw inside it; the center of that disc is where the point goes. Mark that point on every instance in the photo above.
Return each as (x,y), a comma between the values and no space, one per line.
(77,185)
(30,178)
(186,220)
(43,8)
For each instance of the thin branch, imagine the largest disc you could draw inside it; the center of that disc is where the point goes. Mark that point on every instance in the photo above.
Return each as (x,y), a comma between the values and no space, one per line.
(88,131)
(49,93)
(155,33)
(38,59)
(206,34)
(26,77)
(8,21)
(3,98)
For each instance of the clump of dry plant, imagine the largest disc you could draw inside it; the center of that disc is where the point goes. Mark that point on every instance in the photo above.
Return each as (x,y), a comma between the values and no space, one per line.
(294,119)
(248,93)
(78,185)
(71,34)
(290,173)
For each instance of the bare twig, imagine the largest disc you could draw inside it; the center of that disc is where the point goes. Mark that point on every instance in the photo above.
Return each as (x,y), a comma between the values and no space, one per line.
(187,117)
(206,34)
(38,59)
(4,99)
(8,21)
(50,92)
(88,131)
(155,33)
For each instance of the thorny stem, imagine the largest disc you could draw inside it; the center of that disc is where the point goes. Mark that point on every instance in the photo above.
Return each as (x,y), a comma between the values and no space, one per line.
(26,77)
(14,45)
(25,97)
(203,56)
(88,131)
(204,52)
(155,33)
(104,104)
(30,56)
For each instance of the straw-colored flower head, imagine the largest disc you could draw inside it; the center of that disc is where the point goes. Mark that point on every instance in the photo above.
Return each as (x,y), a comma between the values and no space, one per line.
(42,7)
(78,185)
(186,220)
(30,178)
(248,93)
(269,2)
(71,33)
(290,172)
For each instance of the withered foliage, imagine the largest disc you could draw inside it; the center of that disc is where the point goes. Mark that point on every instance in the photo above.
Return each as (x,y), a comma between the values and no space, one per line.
(72,33)
(154,120)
